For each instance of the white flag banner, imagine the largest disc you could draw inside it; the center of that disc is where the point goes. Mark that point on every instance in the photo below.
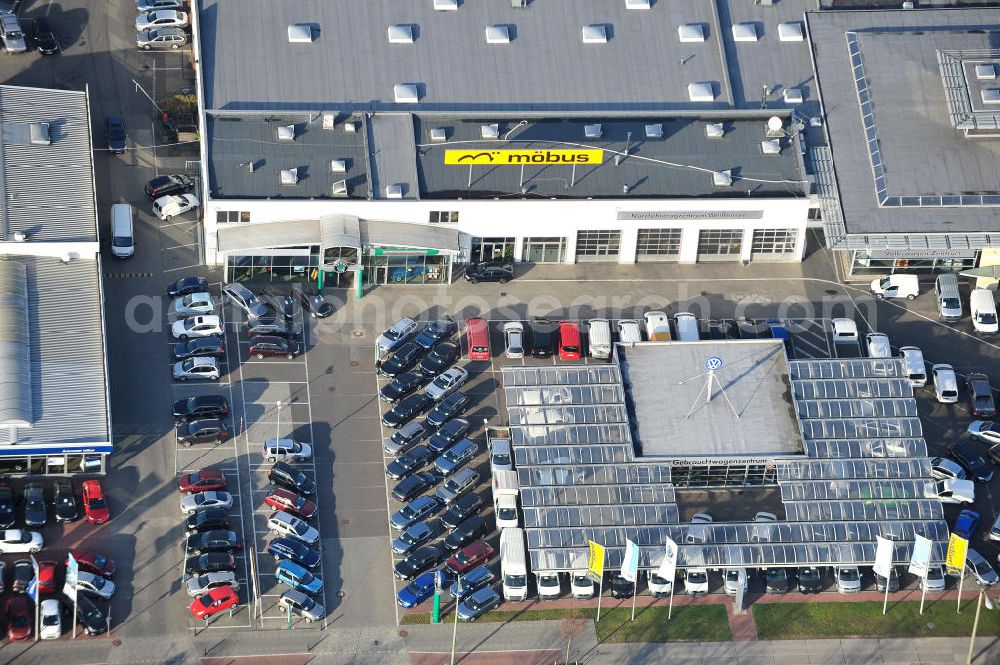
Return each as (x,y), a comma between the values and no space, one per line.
(920,560)
(630,564)
(668,567)
(883,558)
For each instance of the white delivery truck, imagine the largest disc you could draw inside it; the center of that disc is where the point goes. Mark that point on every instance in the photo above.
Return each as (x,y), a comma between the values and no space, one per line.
(513,564)
(505,491)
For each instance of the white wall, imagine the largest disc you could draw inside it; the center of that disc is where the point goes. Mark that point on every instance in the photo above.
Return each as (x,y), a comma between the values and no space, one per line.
(527,218)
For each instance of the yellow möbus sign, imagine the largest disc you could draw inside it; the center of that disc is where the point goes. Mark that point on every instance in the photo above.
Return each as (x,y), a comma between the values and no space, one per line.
(521,157)
(595,561)
(957,549)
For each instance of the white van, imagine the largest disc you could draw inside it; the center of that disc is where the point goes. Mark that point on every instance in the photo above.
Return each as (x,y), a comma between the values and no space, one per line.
(122,233)
(949,302)
(896,286)
(657,326)
(629,331)
(984,311)
(916,369)
(878,345)
(513,564)
(686,326)
(599,338)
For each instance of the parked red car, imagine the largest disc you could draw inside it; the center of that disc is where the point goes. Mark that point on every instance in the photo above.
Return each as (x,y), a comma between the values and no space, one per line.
(203,480)
(92,562)
(290,502)
(268,346)
(569,341)
(94,503)
(18,611)
(217,600)
(48,577)
(469,557)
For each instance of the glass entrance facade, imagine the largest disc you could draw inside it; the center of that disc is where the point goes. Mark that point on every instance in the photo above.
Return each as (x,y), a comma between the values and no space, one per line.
(493,249)
(401,265)
(288,264)
(723,475)
(870,263)
(544,250)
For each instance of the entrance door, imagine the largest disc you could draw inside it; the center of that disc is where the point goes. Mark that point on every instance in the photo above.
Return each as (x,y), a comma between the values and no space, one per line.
(544,250)
(492,249)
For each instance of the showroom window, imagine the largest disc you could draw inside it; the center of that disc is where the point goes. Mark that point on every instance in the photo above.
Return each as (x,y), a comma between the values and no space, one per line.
(597,245)
(774,241)
(721,244)
(444,217)
(658,244)
(232,216)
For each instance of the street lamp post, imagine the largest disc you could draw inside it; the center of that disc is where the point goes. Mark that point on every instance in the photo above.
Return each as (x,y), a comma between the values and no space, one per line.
(454,632)
(975,623)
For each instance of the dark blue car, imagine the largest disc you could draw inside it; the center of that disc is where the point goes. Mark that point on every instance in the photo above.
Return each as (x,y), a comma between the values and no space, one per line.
(417,591)
(294,550)
(966,524)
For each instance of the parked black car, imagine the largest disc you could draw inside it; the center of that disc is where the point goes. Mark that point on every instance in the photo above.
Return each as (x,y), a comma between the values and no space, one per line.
(413,486)
(6,504)
(35,511)
(421,560)
(893,582)
(24,572)
(284,304)
(169,184)
(209,563)
(43,37)
(447,434)
(201,406)
(186,285)
(400,387)
(286,475)
(206,430)
(294,550)
(213,541)
(89,615)
(273,326)
(206,520)
(64,500)
(981,401)
(200,346)
(464,507)
(453,405)
(406,410)
(412,460)
(313,302)
(621,587)
(776,581)
(810,580)
(439,359)
(971,458)
(469,530)
(114,133)
(489,272)
(436,330)
(543,338)
(401,360)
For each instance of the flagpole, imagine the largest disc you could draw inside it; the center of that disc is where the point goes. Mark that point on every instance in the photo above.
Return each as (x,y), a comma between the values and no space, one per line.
(74,618)
(885,603)
(923,594)
(961,581)
(600,594)
(670,607)
(635,592)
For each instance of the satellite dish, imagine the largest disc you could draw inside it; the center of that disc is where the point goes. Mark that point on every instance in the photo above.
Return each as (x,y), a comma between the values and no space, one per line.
(774,123)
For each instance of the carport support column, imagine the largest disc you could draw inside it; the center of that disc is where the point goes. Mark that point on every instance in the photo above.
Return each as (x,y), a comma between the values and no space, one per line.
(358,282)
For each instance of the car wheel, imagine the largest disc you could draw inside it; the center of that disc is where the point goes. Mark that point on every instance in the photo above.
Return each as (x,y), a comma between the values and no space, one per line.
(175,46)
(473,280)
(291,356)
(34,550)
(182,378)
(281,607)
(215,378)
(272,460)
(260,356)
(183,337)
(503,281)
(186,444)
(880,296)
(146,47)
(166,218)
(910,297)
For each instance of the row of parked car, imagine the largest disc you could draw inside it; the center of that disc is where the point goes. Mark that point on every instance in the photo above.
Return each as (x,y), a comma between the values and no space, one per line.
(36,499)
(161,24)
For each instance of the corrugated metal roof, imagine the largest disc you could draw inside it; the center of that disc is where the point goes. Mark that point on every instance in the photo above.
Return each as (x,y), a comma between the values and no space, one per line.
(48,190)
(15,346)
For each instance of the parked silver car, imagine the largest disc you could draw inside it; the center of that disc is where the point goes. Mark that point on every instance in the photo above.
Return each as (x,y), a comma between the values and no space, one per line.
(161,38)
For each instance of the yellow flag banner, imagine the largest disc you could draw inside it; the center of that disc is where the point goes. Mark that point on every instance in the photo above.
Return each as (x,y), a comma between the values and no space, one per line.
(595,563)
(957,549)
(522,157)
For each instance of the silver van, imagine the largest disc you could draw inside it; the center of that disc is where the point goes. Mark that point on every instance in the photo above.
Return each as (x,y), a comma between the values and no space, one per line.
(629,331)
(983,307)
(122,231)
(949,302)
(686,326)
(13,36)
(916,369)
(878,345)
(599,338)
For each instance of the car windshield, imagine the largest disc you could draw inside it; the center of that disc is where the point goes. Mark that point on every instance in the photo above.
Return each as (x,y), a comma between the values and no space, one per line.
(849,574)
(988,318)
(885,283)
(99,561)
(507,513)
(808,575)
(96,502)
(697,578)
(393,334)
(934,573)
(300,528)
(50,620)
(464,557)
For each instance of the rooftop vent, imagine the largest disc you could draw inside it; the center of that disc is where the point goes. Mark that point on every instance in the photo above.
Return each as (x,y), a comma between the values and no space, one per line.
(439,134)
(744,32)
(990,95)
(406,93)
(654,131)
(715,130)
(286,133)
(518,4)
(400,34)
(701,92)
(595,34)
(638,4)
(771,147)
(490,131)
(339,189)
(338,166)
(329,120)
(691,32)
(793,95)
(393,191)
(290,176)
(497,34)
(592,131)
(350,127)
(986,72)
(793,31)
(722,178)
(38,133)
(300,33)
(446,5)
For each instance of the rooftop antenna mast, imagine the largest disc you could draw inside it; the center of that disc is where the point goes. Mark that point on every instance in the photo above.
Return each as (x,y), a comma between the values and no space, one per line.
(712,364)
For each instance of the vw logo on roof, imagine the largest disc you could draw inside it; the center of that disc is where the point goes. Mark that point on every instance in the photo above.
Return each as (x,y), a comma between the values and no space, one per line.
(713,363)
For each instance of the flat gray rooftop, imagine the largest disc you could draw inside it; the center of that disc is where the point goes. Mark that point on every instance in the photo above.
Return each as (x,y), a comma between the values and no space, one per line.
(923,157)
(666,389)
(678,164)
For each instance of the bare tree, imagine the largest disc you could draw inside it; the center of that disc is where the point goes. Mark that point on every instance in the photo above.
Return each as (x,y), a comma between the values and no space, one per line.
(571,626)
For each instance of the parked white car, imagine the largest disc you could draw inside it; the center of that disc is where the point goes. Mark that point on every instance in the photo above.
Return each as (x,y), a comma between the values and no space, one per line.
(172,205)
(192,502)
(953,490)
(197,326)
(845,330)
(287,525)
(161,18)
(984,431)
(398,333)
(935,578)
(193,369)
(734,581)
(581,586)
(285,450)
(513,337)
(447,383)
(17,541)
(943,468)
(50,626)
(194,304)
(659,587)
(945,383)
(90,583)
(204,583)
(848,579)
(896,286)
(696,581)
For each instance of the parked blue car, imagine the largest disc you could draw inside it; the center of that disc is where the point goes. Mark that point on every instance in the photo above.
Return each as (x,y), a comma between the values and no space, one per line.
(294,550)
(298,577)
(966,524)
(417,591)
(472,581)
